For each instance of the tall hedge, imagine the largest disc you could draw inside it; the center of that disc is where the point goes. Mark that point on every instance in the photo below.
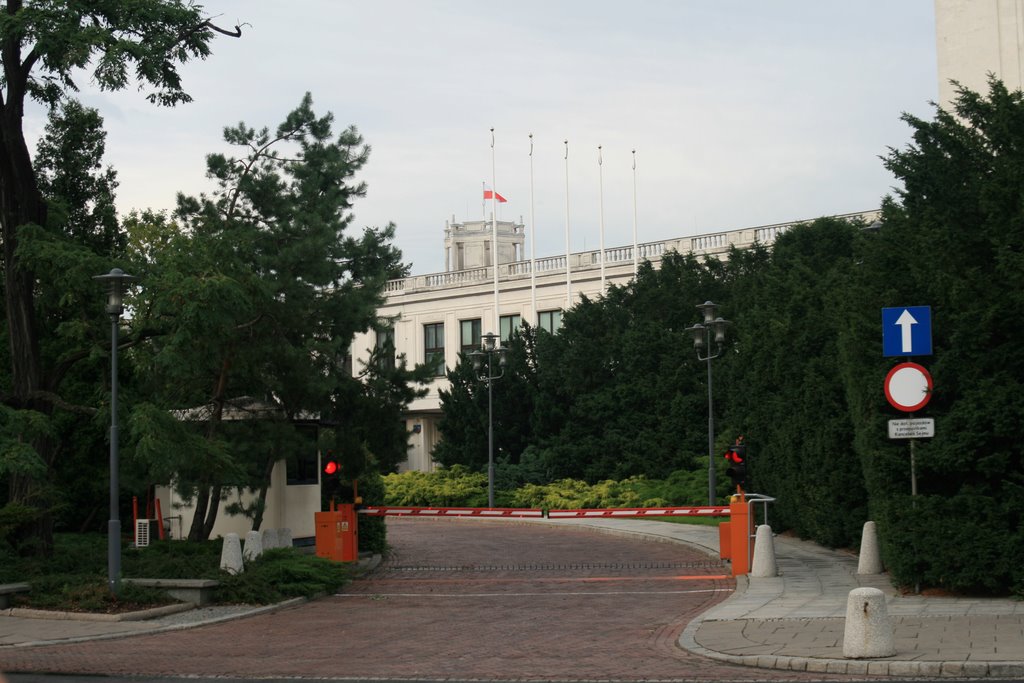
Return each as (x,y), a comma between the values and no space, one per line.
(811,383)
(954,240)
(619,392)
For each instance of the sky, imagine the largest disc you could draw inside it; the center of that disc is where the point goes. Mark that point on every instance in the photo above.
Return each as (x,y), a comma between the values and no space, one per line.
(740,112)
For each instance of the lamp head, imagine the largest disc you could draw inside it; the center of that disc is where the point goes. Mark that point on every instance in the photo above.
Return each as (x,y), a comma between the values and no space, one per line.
(719,326)
(697,331)
(117,280)
(709,309)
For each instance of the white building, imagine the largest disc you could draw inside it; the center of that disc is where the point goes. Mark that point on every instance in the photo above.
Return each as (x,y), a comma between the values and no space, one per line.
(440,314)
(976,37)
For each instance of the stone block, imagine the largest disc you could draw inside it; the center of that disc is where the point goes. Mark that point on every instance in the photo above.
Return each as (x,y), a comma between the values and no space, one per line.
(231,555)
(253,546)
(764,566)
(870,560)
(868,631)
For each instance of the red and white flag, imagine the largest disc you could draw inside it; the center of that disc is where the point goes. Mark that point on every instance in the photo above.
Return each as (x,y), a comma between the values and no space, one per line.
(491,194)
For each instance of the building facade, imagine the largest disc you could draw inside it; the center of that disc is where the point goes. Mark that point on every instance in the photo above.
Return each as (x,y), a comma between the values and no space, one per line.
(434,317)
(974,38)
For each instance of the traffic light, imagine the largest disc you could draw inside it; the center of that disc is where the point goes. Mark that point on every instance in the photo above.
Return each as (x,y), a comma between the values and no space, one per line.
(330,478)
(736,456)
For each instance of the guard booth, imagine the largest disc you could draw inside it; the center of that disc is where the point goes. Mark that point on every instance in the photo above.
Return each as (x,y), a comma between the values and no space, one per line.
(337,534)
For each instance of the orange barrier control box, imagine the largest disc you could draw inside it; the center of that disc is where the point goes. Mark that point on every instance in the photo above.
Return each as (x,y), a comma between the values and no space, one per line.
(337,534)
(725,540)
(739,527)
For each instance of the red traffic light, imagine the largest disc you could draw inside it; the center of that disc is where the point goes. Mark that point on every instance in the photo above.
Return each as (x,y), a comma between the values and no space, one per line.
(331,467)
(736,456)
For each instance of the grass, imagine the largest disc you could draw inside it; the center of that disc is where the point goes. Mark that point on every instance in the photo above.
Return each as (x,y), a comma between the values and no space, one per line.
(698,521)
(74,578)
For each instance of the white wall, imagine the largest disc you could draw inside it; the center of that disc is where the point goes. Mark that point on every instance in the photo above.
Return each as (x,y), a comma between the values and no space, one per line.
(290,507)
(975,37)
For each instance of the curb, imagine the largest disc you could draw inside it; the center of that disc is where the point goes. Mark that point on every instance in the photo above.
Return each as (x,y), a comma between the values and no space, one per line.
(857,667)
(243,612)
(874,667)
(364,567)
(138,615)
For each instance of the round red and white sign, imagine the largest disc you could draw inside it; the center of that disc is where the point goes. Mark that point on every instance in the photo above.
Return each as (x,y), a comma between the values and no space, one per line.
(908,387)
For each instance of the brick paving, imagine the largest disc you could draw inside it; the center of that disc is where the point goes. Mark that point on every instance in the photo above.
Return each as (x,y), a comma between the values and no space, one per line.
(457,599)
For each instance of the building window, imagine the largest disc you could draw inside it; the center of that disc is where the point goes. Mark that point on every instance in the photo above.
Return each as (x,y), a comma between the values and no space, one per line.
(550,320)
(433,347)
(386,348)
(509,323)
(469,335)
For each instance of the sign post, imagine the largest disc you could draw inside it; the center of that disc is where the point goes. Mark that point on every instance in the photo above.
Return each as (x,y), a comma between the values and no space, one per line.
(922,427)
(908,387)
(907,331)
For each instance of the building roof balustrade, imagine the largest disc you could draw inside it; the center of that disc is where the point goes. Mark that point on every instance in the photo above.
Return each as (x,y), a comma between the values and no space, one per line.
(717,244)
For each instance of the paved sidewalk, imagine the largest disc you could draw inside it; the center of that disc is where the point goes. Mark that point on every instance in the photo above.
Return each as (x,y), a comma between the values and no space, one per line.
(791,622)
(795,621)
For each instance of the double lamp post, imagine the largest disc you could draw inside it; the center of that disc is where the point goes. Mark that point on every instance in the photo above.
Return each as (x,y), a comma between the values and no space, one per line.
(713,328)
(489,347)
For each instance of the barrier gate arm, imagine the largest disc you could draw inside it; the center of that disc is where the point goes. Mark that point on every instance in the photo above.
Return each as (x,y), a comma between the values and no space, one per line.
(413,511)
(410,511)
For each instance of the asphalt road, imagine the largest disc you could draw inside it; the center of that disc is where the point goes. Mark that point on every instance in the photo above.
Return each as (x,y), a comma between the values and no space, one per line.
(457,599)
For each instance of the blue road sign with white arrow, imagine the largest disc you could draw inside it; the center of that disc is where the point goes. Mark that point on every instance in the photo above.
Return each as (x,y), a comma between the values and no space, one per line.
(907,331)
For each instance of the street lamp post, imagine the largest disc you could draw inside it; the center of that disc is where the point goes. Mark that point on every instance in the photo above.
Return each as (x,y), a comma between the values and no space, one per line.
(488,347)
(712,327)
(117,280)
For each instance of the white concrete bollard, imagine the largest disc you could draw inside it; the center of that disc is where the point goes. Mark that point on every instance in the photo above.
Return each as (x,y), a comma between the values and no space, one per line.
(870,560)
(763,565)
(868,632)
(270,539)
(231,555)
(253,546)
(284,538)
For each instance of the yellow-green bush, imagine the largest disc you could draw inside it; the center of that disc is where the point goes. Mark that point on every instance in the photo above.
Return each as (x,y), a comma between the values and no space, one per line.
(457,486)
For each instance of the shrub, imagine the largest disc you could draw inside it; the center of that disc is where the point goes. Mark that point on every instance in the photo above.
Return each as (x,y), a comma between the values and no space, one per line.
(457,486)
(279,574)
(88,593)
(450,487)
(372,530)
(74,578)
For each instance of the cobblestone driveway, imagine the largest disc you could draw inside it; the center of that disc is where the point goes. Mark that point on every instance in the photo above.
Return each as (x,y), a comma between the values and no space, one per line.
(457,599)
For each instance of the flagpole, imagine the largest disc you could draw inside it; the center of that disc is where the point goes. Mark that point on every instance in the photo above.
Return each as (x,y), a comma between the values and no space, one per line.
(636,255)
(483,197)
(533,245)
(494,240)
(568,253)
(600,200)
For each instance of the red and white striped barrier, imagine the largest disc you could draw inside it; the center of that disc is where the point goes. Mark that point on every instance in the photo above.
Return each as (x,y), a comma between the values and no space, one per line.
(383,511)
(708,511)
(448,512)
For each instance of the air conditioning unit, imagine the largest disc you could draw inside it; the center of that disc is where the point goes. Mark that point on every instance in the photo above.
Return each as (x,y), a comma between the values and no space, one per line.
(142,532)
